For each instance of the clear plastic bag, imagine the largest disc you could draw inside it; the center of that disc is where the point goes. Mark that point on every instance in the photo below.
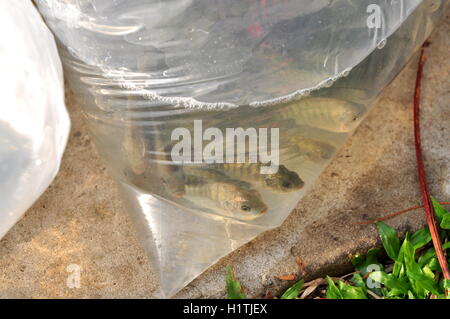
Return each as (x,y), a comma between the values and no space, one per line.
(215,116)
(34,124)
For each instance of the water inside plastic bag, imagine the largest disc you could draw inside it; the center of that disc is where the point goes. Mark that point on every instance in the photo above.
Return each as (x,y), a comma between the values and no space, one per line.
(173,89)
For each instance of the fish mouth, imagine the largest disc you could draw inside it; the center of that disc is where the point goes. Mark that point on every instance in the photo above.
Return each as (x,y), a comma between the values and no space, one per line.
(295,188)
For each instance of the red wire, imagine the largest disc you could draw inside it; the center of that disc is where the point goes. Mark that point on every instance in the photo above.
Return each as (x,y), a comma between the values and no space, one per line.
(394,215)
(429,210)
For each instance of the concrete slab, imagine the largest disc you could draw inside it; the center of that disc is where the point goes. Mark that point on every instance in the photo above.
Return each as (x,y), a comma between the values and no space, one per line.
(80,219)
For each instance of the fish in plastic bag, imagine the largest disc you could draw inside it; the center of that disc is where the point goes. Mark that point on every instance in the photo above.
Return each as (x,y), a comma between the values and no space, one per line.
(216,116)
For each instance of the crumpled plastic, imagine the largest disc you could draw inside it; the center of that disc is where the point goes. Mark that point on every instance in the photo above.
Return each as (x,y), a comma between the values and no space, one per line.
(145,71)
(34,124)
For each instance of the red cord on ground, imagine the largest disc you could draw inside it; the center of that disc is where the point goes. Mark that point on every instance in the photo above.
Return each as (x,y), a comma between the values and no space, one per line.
(429,210)
(386,217)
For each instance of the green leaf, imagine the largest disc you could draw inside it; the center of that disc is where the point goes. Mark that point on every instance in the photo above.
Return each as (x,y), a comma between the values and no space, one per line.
(421,238)
(365,264)
(399,270)
(351,292)
(438,209)
(358,280)
(357,260)
(408,249)
(434,265)
(428,272)
(411,295)
(426,257)
(419,291)
(445,284)
(332,291)
(399,267)
(395,294)
(234,288)
(417,277)
(389,237)
(293,291)
(429,258)
(445,223)
(372,257)
(390,281)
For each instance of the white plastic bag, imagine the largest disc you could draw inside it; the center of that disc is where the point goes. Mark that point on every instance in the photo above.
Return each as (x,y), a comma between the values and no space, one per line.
(34,124)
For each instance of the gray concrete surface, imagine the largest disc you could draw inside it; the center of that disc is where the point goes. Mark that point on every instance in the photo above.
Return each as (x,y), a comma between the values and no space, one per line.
(80,219)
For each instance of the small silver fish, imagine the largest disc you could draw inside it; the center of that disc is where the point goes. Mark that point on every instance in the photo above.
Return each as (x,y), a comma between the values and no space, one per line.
(237,201)
(324,113)
(282,181)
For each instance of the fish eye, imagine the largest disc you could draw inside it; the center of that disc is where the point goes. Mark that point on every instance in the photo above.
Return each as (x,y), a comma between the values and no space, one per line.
(245,208)
(286,184)
(355,118)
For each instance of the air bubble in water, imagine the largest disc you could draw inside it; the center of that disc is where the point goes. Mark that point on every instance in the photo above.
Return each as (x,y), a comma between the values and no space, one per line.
(346,72)
(305,92)
(328,83)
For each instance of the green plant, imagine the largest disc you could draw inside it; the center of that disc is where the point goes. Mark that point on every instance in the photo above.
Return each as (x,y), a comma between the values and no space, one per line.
(412,270)
(293,291)
(415,274)
(234,288)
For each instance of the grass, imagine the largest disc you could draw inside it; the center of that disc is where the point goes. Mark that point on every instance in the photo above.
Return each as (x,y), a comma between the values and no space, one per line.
(412,270)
